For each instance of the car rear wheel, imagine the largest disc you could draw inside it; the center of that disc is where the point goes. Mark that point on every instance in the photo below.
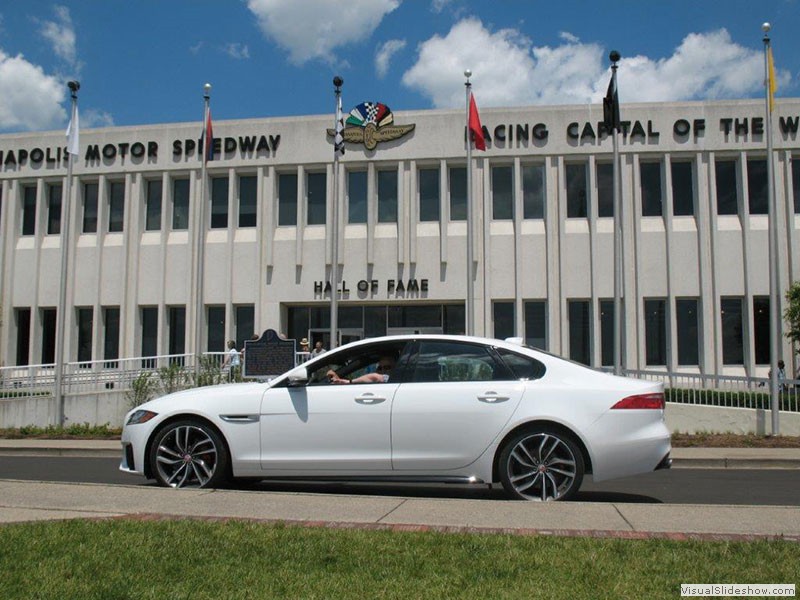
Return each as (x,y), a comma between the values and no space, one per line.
(541,465)
(189,454)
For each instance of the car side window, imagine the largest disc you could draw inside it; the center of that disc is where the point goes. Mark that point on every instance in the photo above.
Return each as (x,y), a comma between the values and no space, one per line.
(455,361)
(353,363)
(523,367)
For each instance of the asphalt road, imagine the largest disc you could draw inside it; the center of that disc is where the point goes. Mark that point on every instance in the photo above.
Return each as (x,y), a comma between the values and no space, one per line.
(677,486)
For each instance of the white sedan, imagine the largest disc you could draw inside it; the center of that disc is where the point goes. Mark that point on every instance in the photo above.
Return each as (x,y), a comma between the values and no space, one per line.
(427,408)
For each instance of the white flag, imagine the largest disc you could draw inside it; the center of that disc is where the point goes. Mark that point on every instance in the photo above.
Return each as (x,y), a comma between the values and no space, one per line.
(73,143)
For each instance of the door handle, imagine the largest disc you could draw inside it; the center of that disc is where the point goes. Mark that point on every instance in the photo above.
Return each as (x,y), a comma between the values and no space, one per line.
(492,398)
(369,399)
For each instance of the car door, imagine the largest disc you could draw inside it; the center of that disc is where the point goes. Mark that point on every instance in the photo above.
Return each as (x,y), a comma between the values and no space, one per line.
(456,399)
(325,428)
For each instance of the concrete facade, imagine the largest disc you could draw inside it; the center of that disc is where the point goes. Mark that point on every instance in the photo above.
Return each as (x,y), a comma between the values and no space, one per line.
(273,268)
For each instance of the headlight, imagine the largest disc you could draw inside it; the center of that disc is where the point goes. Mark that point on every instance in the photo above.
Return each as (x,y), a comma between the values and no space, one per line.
(140,416)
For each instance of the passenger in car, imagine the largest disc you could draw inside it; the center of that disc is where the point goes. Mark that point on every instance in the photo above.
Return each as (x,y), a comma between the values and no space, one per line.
(381,375)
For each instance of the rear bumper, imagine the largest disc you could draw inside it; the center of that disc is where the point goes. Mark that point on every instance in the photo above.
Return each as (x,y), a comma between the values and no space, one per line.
(666,463)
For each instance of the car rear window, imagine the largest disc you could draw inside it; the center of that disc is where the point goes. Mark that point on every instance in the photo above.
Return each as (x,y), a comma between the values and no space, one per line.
(523,367)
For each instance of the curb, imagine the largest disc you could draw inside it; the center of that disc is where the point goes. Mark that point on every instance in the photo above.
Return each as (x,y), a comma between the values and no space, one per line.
(112,449)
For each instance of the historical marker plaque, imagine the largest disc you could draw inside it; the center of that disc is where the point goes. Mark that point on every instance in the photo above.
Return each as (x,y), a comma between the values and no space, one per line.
(268,356)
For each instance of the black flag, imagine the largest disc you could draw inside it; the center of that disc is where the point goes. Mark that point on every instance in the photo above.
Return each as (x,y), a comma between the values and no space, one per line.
(611,107)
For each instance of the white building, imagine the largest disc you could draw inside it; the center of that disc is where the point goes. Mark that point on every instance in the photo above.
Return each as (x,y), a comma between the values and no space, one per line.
(695,234)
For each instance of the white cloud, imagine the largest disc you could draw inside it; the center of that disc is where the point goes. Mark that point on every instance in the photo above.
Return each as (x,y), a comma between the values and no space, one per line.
(61,35)
(196,48)
(237,50)
(501,63)
(96,118)
(31,98)
(315,28)
(509,70)
(384,55)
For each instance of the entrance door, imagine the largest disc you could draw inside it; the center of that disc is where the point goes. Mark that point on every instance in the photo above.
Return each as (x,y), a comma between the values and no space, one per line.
(413,330)
(350,335)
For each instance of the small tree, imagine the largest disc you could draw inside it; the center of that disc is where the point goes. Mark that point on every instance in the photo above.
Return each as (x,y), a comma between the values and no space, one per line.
(792,312)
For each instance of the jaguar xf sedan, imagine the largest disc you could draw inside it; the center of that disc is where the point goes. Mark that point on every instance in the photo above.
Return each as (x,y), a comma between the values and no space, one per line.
(411,408)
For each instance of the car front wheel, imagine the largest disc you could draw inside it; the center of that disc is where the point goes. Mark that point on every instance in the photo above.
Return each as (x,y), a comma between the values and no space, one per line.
(189,454)
(541,465)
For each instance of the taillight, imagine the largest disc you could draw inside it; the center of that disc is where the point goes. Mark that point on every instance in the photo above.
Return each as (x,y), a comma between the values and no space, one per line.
(651,401)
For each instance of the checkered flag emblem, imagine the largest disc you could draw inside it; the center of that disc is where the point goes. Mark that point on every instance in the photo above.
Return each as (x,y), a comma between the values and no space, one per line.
(338,140)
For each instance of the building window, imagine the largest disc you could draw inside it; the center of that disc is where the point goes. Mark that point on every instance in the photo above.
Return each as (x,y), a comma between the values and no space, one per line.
(502,193)
(458,193)
(580,330)
(85,327)
(22,318)
(219,203)
(688,324)
(287,199)
(503,316)
(180,204)
(607,333)
(536,323)
(682,188)
(152,221)
(29,210)
(577,199)
(54,194)
(216,329)
(245,324)
(605,189)
(533,192)
(761,331)
(149,335)
(732,339)
(387,196)
(796,184)
(316,194)
(650,173)
(49,320)
(177,330)
(725,177)
(110,335)
(116,206)
(356,196)
(90,193)
(429,194)
(757,186)
(248,201)
(655,331)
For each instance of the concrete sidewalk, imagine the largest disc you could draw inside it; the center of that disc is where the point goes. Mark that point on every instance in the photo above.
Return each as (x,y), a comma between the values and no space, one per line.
(33,501)
(693,458)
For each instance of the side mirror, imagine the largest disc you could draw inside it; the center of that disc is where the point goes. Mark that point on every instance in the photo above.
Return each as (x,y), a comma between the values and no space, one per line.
(298,376)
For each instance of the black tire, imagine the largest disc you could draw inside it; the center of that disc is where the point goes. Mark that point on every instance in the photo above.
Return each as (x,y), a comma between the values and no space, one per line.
(189,454)
(541,465)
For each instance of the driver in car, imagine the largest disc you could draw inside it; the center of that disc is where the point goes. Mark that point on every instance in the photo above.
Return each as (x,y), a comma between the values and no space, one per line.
(381,375)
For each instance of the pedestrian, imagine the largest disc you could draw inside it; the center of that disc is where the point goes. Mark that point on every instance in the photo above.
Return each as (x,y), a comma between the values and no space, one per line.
(232,361)
(318,349)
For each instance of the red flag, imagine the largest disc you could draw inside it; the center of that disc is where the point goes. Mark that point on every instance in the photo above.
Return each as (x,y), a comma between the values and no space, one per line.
(475,126)
(207,139)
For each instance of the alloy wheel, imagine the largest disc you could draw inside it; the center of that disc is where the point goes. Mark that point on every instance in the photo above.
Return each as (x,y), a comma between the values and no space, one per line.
(542,466)
(187,456)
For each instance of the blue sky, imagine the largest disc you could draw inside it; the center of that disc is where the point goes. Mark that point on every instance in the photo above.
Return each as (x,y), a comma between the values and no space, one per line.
(145,61)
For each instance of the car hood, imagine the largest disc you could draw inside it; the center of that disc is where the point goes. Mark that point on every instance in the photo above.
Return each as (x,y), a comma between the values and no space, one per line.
(231,394)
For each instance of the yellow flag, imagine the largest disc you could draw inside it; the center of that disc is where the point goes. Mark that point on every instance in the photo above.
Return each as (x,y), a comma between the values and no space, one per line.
(771,83)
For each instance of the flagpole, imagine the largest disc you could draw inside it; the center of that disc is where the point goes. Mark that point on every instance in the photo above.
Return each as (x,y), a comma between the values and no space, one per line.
(470,301)
(774,272)
(61,312)
(201,231)
(617,198)
(337,83)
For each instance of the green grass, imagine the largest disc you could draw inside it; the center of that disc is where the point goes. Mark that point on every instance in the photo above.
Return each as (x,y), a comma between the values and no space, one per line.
(74,430)
(199,559)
